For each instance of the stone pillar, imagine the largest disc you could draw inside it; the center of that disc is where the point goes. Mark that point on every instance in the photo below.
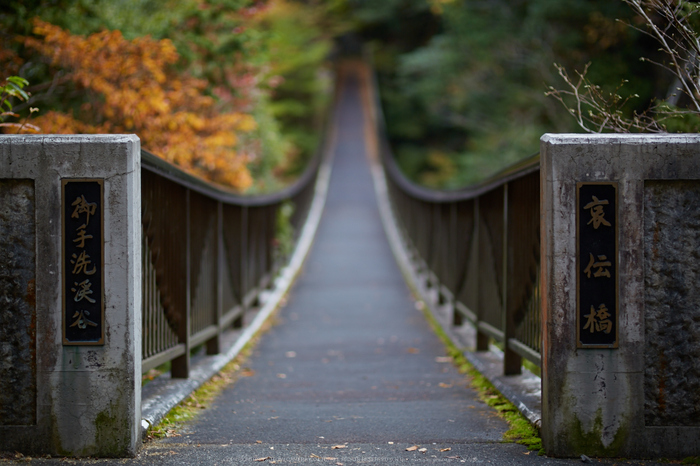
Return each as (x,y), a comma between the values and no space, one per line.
(70,294)
(635,391)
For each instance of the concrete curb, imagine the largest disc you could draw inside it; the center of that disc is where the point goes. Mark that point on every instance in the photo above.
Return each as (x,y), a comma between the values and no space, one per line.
(164,393)
(525,390)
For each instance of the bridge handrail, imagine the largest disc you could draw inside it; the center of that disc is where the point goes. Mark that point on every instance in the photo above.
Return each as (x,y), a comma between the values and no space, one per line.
(174,173)
(207,254)
(517,170)
(478,246)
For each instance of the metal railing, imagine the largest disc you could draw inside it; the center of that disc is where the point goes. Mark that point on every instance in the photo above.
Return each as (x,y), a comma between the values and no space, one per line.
(207,254)
(479,248)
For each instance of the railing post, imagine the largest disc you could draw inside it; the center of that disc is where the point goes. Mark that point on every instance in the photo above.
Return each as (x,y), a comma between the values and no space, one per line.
(214,344)
(238,323)
(512,362)
(482,339)
(180,366)
(457,318)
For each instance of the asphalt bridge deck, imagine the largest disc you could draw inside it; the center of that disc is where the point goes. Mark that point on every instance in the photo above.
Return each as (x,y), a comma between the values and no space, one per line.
(350,361)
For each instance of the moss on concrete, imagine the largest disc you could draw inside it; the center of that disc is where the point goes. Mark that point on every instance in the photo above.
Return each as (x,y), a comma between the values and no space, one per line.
(112,432)
(589,442)
(521,431)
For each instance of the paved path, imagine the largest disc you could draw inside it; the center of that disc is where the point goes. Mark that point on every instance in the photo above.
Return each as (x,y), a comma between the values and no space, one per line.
(351,361)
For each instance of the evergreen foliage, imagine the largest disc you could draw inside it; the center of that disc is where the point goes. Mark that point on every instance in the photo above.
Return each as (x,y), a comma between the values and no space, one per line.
(464,93)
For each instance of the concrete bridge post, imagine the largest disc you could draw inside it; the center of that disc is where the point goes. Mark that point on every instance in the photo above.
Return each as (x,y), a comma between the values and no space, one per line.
(70,294)
(620,229)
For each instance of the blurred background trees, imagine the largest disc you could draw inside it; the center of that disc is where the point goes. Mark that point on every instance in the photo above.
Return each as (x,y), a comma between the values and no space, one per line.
(231,90)
(234,90)
(463,82)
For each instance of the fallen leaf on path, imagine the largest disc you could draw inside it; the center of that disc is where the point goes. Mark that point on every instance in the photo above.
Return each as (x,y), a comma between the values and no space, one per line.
(263,459)
(413,350)
(282,376)
(314,456)
(413,448)
(291,354)
(422,450)
(328,458)
(258,441)
(338,447)
(453,457)
(247,372)
(445,449)
(443,359)
(445,385)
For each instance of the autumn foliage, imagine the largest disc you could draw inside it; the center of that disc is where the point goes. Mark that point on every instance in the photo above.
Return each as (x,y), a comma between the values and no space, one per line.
(230,90)
(131,87)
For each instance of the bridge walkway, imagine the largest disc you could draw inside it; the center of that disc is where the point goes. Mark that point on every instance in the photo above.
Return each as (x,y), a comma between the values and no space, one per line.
(350,360)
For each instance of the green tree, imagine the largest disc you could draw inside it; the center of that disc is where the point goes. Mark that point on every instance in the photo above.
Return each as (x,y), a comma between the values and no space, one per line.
(468,99)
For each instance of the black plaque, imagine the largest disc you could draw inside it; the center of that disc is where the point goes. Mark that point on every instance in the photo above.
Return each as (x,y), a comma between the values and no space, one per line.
(597,262)
(83,262)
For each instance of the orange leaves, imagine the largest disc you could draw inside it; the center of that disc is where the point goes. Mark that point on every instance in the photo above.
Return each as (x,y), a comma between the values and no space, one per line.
(100,59)
(131,86)
(54,122)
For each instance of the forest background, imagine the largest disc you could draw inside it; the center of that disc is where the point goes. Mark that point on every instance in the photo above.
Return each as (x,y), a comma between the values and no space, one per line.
(235,90)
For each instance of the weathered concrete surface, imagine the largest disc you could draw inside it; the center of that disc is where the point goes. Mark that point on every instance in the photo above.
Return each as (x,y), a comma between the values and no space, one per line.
(672,303)
(87,397)
(17,303)
(593,399)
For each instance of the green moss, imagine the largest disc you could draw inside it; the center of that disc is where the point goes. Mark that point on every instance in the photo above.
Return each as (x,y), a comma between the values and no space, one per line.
(56,437)
(111,435)
(111,432)
(691,460)
(588,442)
(521,431)
(202,398)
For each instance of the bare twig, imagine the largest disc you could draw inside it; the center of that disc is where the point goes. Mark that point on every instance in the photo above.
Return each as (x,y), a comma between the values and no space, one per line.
(667,21)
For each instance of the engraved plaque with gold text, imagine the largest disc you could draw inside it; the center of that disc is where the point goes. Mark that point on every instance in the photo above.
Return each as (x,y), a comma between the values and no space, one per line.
(83,262)
(597,245)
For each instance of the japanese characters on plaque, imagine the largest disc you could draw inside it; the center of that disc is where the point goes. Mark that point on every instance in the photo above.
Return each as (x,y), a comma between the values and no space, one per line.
(597,243)
(83,262)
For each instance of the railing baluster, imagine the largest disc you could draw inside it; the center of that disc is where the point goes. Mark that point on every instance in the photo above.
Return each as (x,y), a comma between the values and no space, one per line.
(214,343)
(511,360)
(181,365)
